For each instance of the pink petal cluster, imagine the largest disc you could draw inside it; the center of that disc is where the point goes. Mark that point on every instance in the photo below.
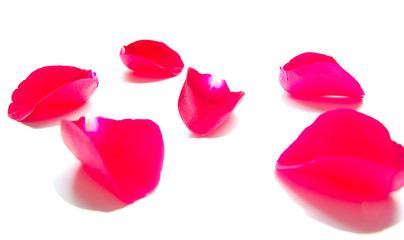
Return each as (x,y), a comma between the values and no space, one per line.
(204,103)
(153,59)
(313,74)
(346,154)
(51,91)
(126,156)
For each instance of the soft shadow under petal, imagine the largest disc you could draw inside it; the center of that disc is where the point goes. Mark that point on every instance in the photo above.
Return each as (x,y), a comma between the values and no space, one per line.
(77,188)
(321,104)
(134,77)
(351,216)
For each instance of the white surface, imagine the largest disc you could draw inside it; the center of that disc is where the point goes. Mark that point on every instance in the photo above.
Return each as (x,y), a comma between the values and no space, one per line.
(221,187)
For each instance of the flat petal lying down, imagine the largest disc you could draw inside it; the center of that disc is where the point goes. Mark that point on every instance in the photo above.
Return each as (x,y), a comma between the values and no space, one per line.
(152,59)
(126,156)
(204,103)
(346,154)
(313,74)
(51,91)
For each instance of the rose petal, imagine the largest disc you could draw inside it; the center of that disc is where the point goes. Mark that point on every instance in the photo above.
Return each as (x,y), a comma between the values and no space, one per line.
(314,74)
(50,91)
(148,58)
(204,103)
(346,148)
(126,155)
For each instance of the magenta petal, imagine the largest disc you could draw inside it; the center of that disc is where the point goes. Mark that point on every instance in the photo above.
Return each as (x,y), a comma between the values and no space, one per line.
(347,149)
(126,156)
(51,90)
(313,74)
(148,58)
(204,104)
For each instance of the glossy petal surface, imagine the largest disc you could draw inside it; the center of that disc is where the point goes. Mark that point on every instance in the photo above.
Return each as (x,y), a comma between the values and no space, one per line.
(313,74)
(126,156)
(204,103)
(148,58)
(345,153)
(50,91)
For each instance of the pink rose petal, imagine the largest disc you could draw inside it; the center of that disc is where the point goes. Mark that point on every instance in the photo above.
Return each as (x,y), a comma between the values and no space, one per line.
(204,103)
(348,152)
(50,91)
(126,156)
(314,74)
(148,58)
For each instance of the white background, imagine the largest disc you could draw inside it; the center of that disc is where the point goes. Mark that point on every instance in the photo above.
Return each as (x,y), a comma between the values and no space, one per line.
(220,187)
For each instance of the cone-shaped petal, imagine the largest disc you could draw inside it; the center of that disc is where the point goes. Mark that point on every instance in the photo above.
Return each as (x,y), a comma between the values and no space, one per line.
(204,104)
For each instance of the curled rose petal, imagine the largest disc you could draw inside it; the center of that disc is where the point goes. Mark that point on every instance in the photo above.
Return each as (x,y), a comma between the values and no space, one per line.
(50,91)
(313,74)
(148,58)
(205,103)
(126,156)
(344,153)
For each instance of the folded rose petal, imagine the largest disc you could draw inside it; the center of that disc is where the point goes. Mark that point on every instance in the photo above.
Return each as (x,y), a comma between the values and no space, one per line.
(313,74)
(348,152)
(50,91)
(126,156)
(148,58)
(204,103)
